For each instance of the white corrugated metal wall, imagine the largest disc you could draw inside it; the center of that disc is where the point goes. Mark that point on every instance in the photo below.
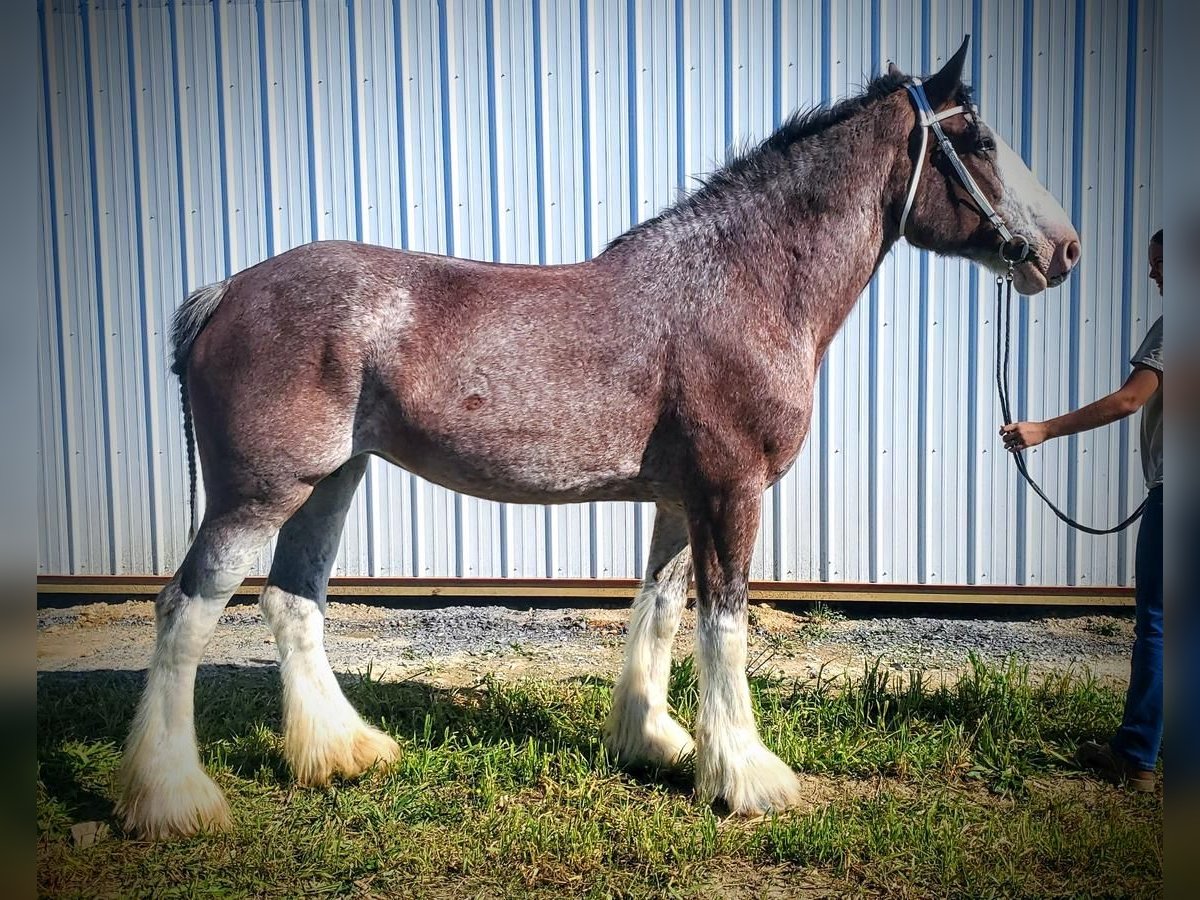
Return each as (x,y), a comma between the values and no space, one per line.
(185,140)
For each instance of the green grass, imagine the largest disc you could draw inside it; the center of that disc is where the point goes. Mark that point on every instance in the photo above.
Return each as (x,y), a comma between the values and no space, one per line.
(961,790)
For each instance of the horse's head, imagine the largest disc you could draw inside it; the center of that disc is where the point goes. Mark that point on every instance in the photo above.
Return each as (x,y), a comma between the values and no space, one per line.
(939,208)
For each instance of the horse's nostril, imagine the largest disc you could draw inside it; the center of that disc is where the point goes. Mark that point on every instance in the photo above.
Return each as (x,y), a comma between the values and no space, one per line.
(1066,255)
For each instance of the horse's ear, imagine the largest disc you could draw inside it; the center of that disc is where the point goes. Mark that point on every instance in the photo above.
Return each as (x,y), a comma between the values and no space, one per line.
(942,88)
(894,70)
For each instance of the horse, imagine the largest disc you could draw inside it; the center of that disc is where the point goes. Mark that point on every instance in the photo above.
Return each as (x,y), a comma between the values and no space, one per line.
(676,366)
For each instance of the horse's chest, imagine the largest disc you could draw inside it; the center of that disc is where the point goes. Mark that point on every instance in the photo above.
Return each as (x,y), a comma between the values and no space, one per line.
(783,436)
(768,419)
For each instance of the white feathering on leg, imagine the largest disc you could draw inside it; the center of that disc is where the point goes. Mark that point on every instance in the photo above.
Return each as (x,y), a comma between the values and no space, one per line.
(323,735)
(732,763)
(165,792)
(639,728)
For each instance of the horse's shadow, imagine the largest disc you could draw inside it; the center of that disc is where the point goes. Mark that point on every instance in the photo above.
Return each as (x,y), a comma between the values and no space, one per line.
(84,715)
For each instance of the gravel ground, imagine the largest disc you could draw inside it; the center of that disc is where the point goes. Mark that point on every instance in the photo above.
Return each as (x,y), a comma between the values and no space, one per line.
(459,644)
(1036,640)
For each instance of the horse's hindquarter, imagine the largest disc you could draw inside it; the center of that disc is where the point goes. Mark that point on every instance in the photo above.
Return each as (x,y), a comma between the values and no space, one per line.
(517,383)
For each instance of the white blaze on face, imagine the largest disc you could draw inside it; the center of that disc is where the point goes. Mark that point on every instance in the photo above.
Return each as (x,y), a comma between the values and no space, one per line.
(1031,211)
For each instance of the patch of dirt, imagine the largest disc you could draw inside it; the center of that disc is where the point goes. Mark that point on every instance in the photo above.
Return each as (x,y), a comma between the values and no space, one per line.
(458,645)
(739,881)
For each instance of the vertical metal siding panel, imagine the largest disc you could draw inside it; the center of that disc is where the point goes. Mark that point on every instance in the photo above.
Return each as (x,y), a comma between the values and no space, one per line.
(1103,360)
(1078,86)
(88,475)
(996,540)
(119,347)
(445,507)
(152,74)
(980,439)
(53,512)
(705,94)
(55,550)
(363,538)
(251,137)
(604,519)
(333,125)
(1048,316)
(289,92)
(139,418)
(1150,90)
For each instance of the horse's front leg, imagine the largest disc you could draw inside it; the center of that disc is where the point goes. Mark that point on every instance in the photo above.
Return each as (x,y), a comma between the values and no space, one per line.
(732,764)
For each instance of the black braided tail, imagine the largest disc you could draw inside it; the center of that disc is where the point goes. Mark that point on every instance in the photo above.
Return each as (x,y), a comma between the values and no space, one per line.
(189,438)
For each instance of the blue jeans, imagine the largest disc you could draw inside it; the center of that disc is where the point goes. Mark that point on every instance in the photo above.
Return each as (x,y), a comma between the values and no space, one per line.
(1140,733)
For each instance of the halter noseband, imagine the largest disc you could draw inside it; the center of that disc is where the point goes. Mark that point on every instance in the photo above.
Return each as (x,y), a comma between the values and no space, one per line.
(1015,247)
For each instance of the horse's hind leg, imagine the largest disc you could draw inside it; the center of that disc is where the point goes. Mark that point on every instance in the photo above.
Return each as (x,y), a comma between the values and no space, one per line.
(323,736)
(164,789)
(639,727)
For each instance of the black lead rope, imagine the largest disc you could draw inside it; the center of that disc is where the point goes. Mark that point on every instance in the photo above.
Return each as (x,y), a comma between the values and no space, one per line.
(1004,287)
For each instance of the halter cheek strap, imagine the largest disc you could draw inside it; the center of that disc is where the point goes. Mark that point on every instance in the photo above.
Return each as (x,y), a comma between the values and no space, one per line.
(928,120)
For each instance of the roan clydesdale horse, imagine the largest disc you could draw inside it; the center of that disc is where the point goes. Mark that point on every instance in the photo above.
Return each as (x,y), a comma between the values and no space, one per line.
(675,367)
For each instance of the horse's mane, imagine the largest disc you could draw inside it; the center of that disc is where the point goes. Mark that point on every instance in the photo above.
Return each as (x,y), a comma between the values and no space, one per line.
(747,166)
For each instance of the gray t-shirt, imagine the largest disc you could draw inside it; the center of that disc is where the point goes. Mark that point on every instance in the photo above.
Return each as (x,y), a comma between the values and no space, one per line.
(1150,356)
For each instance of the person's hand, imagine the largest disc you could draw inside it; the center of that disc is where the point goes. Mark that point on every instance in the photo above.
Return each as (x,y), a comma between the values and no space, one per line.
(1023,435)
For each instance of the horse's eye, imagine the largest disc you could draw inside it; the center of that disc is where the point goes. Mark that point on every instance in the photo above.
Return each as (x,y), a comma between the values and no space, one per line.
(984,145)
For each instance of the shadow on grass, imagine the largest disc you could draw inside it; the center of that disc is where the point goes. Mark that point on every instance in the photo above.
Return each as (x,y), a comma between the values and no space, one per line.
(236,701)
(83,719)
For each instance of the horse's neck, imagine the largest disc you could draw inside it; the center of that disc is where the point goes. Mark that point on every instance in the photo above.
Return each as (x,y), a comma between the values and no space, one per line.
(836,253)
(804,241)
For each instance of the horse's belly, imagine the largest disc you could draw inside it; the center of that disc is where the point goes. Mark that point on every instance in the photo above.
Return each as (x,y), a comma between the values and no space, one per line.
(516,462)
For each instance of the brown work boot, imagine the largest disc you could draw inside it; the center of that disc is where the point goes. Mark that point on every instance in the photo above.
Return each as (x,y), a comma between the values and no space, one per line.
(1113,767)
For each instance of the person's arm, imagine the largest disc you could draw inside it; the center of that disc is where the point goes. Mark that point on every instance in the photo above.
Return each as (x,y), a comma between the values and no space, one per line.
(1126,400)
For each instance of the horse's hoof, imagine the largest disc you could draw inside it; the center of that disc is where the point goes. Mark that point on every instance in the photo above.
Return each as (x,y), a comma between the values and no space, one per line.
(173,804)
(344,751)
(658,741)
(747,777)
